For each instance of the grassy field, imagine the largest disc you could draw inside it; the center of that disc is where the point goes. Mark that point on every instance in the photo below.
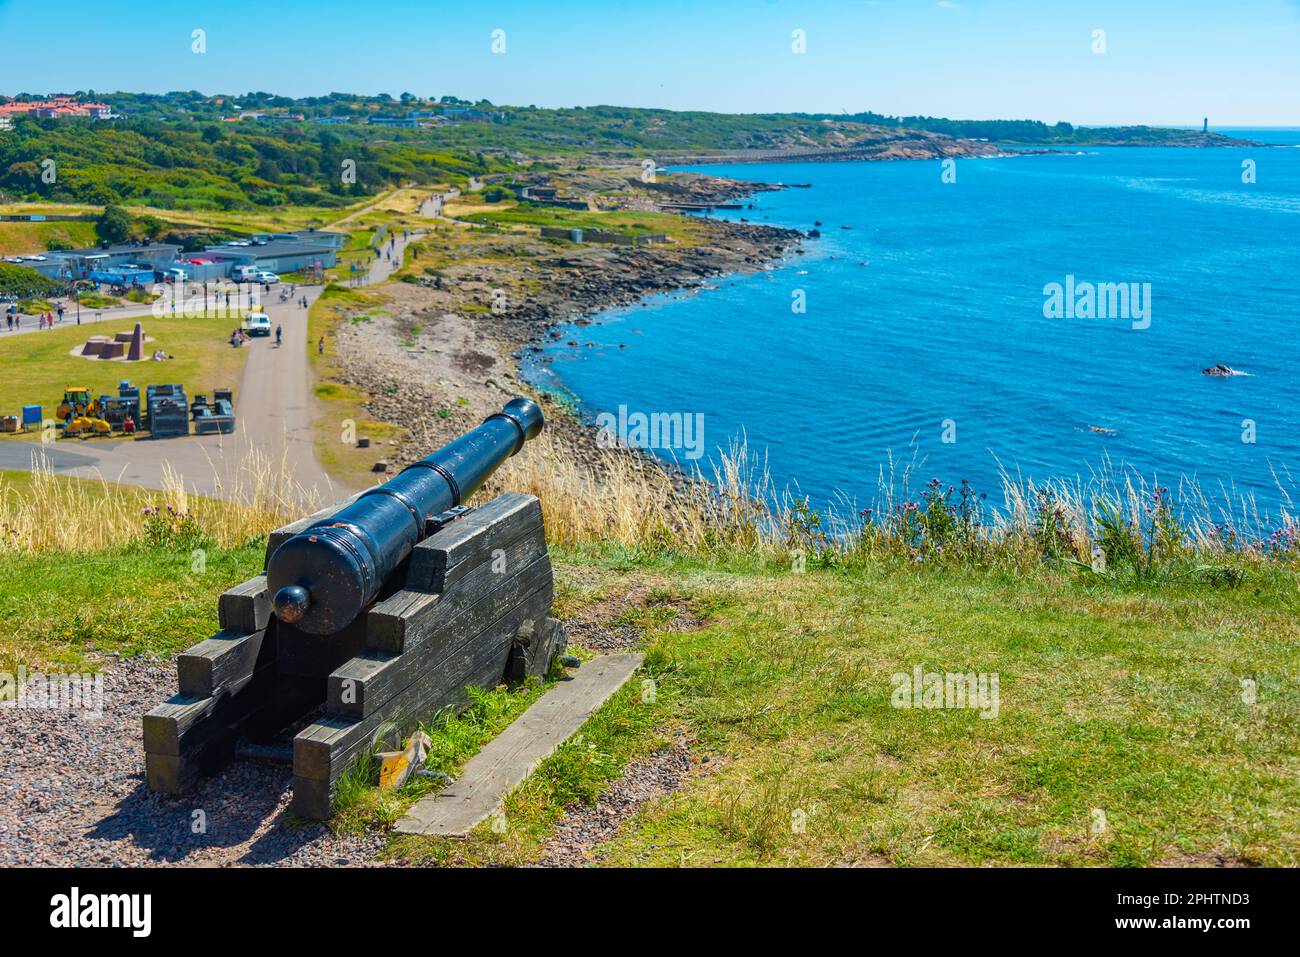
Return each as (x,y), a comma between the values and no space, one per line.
(38,365)
(25,238)
(681,228)
(21,239)
(339,403)
(1117,701)
(132,600)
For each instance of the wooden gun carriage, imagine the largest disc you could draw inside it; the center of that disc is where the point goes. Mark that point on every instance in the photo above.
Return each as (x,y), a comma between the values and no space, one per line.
(370,617)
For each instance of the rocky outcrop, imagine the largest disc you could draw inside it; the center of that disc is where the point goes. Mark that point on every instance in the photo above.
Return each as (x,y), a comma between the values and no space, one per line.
(1221,370)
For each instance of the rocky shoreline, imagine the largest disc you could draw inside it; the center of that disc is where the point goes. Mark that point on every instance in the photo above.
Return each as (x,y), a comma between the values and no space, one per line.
(432,344)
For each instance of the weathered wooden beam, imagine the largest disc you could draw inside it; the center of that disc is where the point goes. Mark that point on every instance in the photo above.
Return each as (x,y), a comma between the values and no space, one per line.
(513,754)
(170,773)
(405,620)
(313,797)
(179,718)
(361,686)
(325,748)
(535,645)
(444,557)
(246,607)
(200,733)
(223,662)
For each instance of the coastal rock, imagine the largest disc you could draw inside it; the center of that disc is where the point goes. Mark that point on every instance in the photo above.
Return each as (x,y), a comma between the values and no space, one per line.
(1221,370)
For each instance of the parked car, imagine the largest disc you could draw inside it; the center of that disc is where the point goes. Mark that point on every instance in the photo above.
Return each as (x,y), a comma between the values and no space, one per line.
(257,324)
(264,276)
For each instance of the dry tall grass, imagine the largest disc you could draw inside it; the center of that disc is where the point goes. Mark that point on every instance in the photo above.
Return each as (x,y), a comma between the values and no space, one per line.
(639,506)
(736,508)
(48,512)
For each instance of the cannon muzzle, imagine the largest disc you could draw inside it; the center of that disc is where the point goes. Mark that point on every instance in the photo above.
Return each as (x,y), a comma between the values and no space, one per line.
(324,577)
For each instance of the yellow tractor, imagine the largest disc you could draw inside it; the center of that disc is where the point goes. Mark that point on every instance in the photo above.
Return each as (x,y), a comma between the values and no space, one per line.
(77,401)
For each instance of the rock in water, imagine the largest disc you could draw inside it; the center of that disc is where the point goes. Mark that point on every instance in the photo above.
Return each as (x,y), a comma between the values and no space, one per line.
(1221,370)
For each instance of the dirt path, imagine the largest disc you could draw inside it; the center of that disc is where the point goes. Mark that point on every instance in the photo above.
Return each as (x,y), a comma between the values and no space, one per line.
(362,210)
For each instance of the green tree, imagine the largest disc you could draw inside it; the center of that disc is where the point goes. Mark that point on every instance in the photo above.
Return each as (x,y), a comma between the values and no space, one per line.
(113,225)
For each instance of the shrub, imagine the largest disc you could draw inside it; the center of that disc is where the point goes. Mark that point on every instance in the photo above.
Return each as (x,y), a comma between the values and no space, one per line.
(114,224)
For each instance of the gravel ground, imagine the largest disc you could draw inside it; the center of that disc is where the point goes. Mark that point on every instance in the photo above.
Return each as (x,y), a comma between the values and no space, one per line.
(597,626)
(579,834)
(73,793)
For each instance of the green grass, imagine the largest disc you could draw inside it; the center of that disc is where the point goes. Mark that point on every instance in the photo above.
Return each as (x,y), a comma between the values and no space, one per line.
(1113,695)
(625,221)
(62,611)
(22,239)
(340,403)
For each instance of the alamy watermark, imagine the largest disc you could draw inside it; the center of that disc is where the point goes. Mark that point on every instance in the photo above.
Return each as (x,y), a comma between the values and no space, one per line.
(662,431)
(191,300)
(1130,301)
(934,689)
(41,692)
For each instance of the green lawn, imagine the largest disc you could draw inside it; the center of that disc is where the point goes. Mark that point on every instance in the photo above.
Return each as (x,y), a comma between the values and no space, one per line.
(22,239)
(1115,699)
(131,600)
(38,365)
(625,221)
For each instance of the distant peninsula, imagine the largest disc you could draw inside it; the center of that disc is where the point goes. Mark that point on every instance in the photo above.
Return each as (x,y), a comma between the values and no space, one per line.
(198,151)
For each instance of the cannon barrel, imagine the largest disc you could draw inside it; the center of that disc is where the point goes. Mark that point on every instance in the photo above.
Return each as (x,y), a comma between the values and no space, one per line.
(324,577)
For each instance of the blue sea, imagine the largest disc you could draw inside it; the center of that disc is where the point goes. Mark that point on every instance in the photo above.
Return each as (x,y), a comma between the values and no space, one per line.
(923,349)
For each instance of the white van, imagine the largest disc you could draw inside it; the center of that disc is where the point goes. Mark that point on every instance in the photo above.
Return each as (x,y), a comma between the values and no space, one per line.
(257,324)
(244,274)
(174,275)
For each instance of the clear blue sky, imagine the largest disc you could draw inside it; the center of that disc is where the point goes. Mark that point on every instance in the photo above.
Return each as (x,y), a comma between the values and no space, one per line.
(1166,62)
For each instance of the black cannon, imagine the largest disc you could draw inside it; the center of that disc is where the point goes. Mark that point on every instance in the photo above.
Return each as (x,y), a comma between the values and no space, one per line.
(419,599)
(325,576)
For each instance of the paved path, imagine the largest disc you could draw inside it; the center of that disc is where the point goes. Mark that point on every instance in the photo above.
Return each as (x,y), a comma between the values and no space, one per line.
(89,317)
(274,411)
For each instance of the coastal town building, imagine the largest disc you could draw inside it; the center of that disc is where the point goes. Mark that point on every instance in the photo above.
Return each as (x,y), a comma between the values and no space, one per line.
(56,107)
(278,253)
(466,114)
(125,263)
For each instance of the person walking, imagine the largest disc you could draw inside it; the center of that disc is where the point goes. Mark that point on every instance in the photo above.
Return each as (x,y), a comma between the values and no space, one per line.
(60,308)
(320,346)
(277,335)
